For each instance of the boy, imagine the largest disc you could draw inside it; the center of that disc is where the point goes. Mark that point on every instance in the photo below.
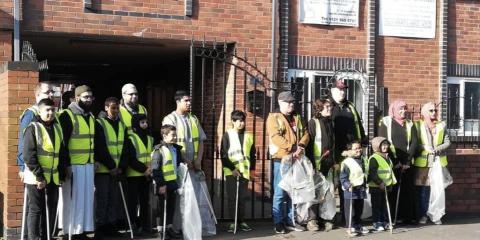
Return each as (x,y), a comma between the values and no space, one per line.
(238,160)
(165,160)
(45,157)
(380,177)
(352,178)
(139,173)
(111,161)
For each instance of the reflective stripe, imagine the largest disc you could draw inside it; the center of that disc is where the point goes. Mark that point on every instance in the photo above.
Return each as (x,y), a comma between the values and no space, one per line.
(126,116)
(181,133)
(81,143)
(48,151)
(317,144)
(356,176)
(384,171)
(239,155)
(168,169)
(356,119)
(143,153)
(421,159)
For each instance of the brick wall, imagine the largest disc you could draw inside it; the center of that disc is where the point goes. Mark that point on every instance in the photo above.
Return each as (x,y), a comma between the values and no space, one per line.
(17,93)
(463,40)
(5,45)
(463,195)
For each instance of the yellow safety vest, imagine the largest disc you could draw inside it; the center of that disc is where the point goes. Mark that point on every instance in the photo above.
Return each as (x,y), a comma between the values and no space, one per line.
(168,169)
(126,116)
(238,154)
(385,172)
(114,142)
(388,123)
(356,177)
(81,142)
(356,119)
(181,133)
(143,153)
(317,144)
(421,160)
(47,151)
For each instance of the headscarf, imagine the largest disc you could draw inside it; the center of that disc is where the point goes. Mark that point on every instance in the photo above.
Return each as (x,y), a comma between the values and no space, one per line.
(426,116)
(394,109)
(136,118)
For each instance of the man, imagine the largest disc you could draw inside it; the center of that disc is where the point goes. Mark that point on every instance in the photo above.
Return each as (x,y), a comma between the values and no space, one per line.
(43,90)
(288,137)
(347,126)
(111,161)
(78,125)
(44,154)
(130,105)
(190,134)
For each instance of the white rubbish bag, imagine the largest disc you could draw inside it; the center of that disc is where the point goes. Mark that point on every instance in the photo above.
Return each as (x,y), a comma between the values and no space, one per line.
(204,204)
(328,207)
(367,206)
(297,180)
(436,206)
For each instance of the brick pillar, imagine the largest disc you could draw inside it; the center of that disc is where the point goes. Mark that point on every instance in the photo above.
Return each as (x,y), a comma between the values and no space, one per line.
(17,84)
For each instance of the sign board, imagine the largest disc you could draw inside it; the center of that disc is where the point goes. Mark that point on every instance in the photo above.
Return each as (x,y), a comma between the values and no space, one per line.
(407,18)
(329,12)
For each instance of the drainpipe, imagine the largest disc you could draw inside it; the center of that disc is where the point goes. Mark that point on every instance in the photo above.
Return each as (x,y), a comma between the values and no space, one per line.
(274,84)
(16,30)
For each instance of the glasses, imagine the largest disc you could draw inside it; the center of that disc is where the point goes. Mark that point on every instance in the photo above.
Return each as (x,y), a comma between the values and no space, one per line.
(433,110)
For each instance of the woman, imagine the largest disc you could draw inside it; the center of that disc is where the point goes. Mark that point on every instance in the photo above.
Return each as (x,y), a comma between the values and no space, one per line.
(433,143)
(319,151)
(402,135)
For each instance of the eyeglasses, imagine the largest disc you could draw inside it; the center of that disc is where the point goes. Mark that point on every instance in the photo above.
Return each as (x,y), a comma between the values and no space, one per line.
(433,110)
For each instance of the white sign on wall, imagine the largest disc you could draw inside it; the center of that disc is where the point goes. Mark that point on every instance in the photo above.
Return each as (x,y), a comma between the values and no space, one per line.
(329,12)
(407,18)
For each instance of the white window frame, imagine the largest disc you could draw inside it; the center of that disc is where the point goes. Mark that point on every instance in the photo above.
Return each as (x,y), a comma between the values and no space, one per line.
(461,82)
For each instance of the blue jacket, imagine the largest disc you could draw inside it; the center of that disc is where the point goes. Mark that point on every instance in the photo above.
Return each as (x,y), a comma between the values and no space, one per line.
(358,192)
(26,119)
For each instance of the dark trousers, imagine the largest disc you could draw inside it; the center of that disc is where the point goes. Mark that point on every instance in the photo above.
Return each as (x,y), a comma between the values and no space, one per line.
(37,227)
(357,209)
(379,206)
(408,204)
(108,201)
(171,199)
(231,182)
(138,196)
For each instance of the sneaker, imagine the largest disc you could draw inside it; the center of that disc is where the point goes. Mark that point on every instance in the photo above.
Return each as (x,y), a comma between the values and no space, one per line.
(438,222)
(296,228)
(328,226)
(378,227)
(352,232)
(362,230)
(312,225)
(231,228)
(423,220)
(244,227)
(280,228)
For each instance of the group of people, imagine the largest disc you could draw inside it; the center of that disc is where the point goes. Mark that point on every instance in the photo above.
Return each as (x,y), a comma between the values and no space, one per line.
(101,165)
(111,162)
(409,159)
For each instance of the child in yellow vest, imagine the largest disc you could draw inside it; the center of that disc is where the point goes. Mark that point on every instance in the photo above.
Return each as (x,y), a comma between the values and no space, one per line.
(353,180)
(238,160)
(380,179)
(165,160)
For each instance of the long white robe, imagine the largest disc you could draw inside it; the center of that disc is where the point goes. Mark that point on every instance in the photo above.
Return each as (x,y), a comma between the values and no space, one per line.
(76,208)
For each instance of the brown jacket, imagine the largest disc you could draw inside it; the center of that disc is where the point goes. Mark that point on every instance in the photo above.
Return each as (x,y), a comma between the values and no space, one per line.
(282,135)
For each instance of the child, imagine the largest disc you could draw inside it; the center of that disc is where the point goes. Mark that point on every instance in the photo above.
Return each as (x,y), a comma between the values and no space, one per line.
(380,176)
(238,160)
(139,173)
(352,178)
(165,160)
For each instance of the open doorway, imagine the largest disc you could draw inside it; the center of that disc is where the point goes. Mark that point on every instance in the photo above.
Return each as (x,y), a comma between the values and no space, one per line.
(157,67)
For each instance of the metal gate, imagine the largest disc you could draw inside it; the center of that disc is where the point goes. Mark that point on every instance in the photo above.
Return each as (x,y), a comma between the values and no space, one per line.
(221,81)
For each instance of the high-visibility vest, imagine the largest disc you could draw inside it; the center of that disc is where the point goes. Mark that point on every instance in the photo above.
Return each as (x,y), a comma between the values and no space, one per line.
(181,132)
(168,169)
(143,153)
(356,177)
(47,152)
(239,154)
(387,121)
(126,116)
(421,160)
(356,119)
(114,142)
(81,142)
(317,144)
(299,133)
(384,171)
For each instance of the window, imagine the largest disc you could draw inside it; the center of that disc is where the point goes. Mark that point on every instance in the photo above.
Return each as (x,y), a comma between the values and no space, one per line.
(463,105)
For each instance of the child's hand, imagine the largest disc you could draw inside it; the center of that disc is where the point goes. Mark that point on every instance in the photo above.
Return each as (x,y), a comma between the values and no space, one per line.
(41,185)
(235,173)
(162,190)
(148,172)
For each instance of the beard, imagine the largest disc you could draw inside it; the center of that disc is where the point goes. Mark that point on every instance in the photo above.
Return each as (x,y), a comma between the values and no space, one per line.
(86,107)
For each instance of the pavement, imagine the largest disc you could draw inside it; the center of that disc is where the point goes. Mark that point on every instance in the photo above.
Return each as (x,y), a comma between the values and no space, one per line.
(456,228)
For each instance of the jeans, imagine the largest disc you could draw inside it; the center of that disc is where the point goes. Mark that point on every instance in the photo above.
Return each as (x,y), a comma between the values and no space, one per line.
(279,197)
(424,195)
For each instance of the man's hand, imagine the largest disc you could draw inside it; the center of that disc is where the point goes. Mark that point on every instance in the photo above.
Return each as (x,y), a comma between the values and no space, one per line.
(198,165)
(148,172)
(235,173)
(405,167)
(162,190)
(429,150)
(382,187)
(41,184)
(297,153)
(21,175)
(189,164)
(336,167)
(399,165)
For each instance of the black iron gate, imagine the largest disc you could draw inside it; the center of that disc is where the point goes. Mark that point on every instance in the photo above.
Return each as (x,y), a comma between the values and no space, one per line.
(220,82)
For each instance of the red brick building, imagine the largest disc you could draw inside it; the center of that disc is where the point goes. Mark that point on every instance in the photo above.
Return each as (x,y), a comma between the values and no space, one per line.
(106,43)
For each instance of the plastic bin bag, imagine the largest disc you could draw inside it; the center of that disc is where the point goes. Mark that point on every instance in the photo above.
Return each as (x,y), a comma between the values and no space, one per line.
(436,206)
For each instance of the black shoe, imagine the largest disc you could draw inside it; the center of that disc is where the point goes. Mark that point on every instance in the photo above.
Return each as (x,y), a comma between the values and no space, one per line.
(172,234)
(280,228)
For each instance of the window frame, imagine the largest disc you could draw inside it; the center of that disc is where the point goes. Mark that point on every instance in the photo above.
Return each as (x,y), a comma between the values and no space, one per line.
(461,131)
